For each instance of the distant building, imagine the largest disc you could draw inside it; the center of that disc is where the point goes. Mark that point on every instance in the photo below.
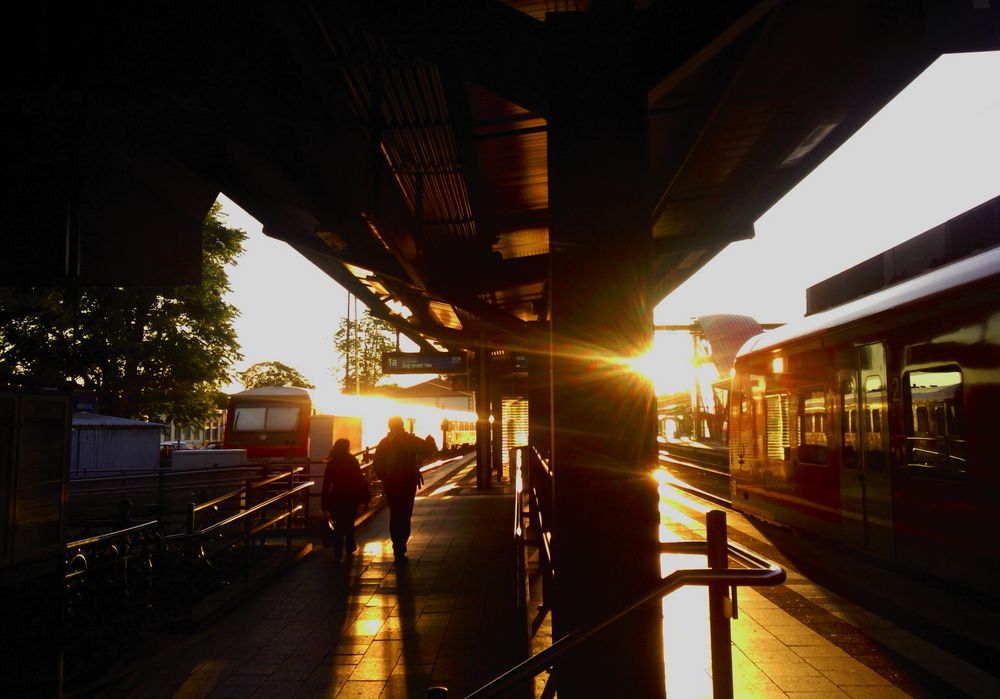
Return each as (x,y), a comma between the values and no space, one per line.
(105,443)
(210,431)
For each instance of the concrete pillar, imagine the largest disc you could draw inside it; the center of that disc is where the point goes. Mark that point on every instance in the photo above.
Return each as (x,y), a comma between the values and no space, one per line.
(603,415)
(484,452)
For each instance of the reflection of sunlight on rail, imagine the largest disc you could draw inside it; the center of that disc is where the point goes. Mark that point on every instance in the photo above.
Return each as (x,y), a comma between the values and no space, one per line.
(670,512)
(444,489)
(666,490)
(686,642)
(439,462)
(454,481)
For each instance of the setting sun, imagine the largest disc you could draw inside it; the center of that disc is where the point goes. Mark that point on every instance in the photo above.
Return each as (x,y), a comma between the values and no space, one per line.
(669,364)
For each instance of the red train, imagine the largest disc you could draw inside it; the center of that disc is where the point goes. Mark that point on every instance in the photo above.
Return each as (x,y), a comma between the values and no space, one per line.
(873,423)
(269,422)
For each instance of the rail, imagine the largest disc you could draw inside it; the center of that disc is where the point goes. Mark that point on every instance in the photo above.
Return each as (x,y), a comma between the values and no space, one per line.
(210,529)
(722,607)
(539,490)
(110,536)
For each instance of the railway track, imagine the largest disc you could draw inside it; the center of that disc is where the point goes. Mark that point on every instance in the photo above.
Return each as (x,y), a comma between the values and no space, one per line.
(703,474)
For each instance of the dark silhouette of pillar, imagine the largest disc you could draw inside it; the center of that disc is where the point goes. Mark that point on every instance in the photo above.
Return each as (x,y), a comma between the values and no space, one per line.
(603,415)
(484,452)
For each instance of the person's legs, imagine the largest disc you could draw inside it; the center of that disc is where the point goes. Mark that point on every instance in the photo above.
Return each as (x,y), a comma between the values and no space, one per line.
(400,511)
(346,518)
(343,528)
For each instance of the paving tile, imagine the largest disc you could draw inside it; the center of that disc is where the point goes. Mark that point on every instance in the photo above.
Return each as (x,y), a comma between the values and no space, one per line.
(798,668)
(276,689)
(875,693)
(800,683)
(360,690)
(858,675)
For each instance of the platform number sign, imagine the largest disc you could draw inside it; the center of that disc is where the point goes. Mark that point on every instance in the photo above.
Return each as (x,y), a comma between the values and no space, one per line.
(424,363)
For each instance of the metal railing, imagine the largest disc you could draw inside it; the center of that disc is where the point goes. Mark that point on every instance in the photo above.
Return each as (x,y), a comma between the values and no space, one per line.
(120,582)
(722,583)
(108,596)
(538,487)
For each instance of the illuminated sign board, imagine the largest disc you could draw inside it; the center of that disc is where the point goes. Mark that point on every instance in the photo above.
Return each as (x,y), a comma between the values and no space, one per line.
(425,363)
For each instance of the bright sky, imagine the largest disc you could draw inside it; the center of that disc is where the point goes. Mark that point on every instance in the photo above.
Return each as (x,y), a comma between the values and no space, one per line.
(931,154)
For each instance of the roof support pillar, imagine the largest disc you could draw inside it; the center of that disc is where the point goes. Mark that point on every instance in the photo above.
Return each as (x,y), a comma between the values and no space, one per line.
(484,452)
(603,415)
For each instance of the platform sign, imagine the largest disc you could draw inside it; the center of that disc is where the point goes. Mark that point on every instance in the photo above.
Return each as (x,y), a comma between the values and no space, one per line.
(425,363)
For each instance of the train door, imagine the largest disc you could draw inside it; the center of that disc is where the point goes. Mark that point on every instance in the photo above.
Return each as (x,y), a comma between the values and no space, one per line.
(865,488)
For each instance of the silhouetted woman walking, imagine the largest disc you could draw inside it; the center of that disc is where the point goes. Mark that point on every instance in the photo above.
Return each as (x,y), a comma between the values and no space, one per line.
(344,488)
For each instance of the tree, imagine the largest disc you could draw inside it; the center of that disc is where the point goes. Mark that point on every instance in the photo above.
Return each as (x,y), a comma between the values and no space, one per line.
(359,347)
(146,352)
(273,374)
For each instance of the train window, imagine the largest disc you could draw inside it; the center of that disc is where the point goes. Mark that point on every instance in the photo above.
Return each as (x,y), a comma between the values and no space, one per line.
(935,443)
(849,423)
(777,441)
(874,424)
(249,419)
(813,424)
(266,419)
(282,419)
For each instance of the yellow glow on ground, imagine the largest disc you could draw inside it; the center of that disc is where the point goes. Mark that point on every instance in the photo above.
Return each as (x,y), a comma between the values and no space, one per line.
(686,644)
(374,548)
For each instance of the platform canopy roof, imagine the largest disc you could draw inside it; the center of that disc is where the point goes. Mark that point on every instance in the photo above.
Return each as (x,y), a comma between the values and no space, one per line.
(400,145)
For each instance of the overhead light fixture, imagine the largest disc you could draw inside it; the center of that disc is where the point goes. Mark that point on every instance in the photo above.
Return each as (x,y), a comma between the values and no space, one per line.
(397,308)
(814,138)
(359,272)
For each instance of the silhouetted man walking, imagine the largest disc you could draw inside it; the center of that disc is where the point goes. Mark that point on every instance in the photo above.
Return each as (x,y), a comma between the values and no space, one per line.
(397,463)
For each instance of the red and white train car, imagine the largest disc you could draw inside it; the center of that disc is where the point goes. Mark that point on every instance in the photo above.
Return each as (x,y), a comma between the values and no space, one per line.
(875,423)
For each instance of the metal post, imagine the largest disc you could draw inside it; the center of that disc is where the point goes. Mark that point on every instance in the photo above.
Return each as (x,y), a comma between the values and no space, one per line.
(484,451)
(247,527)
(189,560)
(719,607)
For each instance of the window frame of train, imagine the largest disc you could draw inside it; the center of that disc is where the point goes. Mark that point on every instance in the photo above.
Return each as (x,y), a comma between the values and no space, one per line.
(783,432)
(948,462)
(805,452)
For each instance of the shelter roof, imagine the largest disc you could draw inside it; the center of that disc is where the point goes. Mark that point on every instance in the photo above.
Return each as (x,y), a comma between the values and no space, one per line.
(93,421)
(401,145)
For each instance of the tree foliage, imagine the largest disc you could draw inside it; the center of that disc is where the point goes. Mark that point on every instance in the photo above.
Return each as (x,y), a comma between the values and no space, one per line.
(360,345)
(273,374)
(146,352)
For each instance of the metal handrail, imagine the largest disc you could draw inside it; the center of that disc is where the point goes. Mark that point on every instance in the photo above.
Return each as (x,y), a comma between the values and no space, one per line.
(278,477)
(110,535)
(236,493)
(240,515)
(768,573)
(124,475)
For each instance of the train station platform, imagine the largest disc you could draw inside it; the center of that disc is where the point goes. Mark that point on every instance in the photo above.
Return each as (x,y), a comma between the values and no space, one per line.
(369,628)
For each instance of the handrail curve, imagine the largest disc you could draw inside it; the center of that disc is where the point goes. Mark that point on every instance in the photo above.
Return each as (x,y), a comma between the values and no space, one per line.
(766,575)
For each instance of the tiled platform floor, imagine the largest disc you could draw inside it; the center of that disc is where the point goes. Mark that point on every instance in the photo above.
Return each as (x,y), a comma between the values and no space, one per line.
(367,628)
